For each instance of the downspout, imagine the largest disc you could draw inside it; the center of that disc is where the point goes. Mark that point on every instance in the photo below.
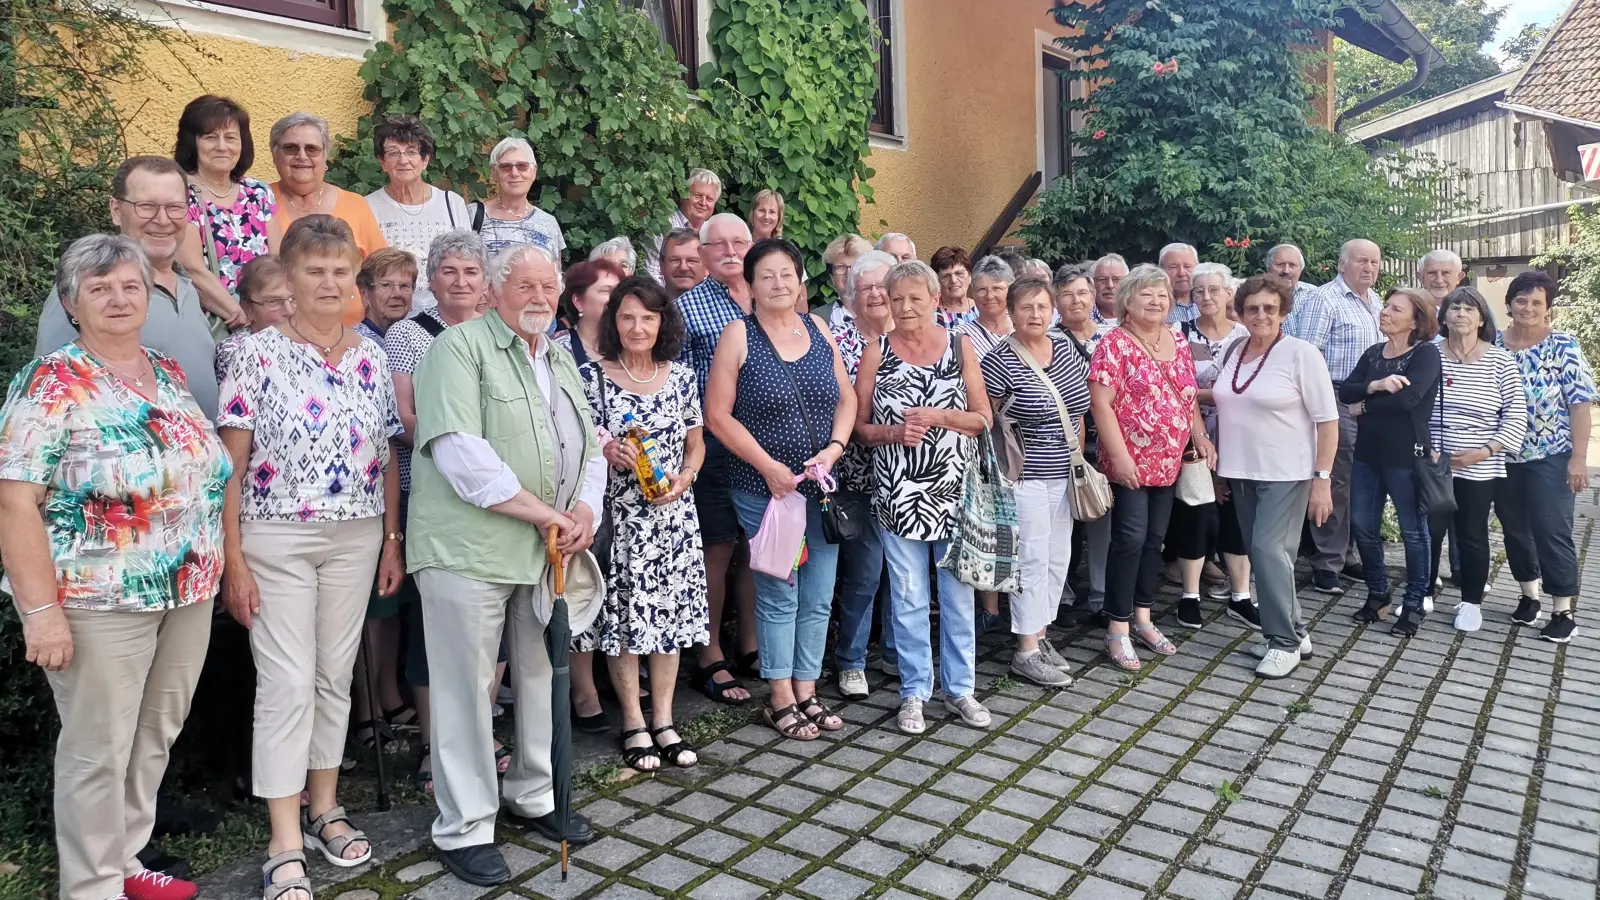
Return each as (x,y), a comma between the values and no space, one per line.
(1392,22)
(1424,65)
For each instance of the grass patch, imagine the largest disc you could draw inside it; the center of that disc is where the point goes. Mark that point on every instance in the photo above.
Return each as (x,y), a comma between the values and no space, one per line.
(598,777)
(1298,707)
(1227,792)
(1434,791)
(1004,683)
(709,726)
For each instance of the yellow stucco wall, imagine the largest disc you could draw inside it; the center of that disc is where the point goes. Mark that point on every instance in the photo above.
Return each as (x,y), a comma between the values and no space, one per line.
(971,112)
(268,81)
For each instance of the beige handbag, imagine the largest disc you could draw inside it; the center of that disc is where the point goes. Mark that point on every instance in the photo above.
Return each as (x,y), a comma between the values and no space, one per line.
(1091,492)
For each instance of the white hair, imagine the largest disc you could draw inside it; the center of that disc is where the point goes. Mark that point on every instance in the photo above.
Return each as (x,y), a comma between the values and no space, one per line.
(460,243)
(509,144)
(516,255)
(619,244)
(1212,268)
(883,242)
(295,120)
(1168,250)
(993,267)
(1037,268)
(1094,267)
(912,270)
(866,262)
(705,227)
(94,255)
(1440,256)
(1273,253)
(705,176)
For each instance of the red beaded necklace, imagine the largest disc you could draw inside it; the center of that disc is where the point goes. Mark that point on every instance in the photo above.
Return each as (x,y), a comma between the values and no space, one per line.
(1241,388)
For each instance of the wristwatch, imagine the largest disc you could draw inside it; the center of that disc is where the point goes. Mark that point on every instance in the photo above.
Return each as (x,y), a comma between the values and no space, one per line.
(398,537)
(1323,475)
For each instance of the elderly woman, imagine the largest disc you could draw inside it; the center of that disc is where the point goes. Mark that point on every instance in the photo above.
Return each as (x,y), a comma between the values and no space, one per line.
(1391,391)
(235,217)
(779,399)
(655,603)
(1277,432)
(954,268)
(303,544)
(840,253)
(412,212)
(1142,393)
(1481,417)
(991,282)
(619,252)
(1197,532)
(264,294)
(112,559)
(920,401)
(766,215)
(861,560)
(509,217)
(387,282)
(1536,500)
(1075,309)
(300,150)
(585,291)
(1040,383)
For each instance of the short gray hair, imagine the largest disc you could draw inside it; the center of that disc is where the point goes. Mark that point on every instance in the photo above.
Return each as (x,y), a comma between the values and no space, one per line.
(866,262)
(912,270)
(705,227)
(1140,277)
(460,243)
(515,255)
(1037,268)
(679,236)
(295,120)
(1213,268)
(993,267)
(895,236)
(1441,255)
(1279,248)
(845,245)
(509,144)
(1071,272)
(617,244)
(94,255)
(705,176)
(1176,247)
(1094,267)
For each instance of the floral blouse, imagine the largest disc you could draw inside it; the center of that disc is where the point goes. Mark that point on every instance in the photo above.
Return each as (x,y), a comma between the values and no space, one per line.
(239,232)
(1154,402)
(322,429)
(1555,376)
(133,486)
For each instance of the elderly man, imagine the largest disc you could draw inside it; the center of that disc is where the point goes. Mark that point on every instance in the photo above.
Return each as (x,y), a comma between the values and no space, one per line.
(1107,272)
(1341,319)
(504,449)
(1289,262)
(1178,261)
(150,203)
(705,189)
(681,265)
(707,308)
(898,246)
(1440,273)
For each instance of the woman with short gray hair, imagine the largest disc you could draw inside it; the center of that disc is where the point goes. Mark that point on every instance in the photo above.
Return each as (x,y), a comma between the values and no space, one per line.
(991,284)
(618,250)
(509,217)
(110,514)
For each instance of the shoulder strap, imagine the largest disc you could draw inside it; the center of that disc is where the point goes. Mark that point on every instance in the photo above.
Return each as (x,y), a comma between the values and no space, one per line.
(449,211)
(788,371)
(1078,345)
(477,216)
(428,323)
(1061,407)
(1227,354)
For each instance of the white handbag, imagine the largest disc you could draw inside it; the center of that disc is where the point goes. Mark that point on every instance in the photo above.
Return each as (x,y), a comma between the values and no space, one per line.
(1195,487)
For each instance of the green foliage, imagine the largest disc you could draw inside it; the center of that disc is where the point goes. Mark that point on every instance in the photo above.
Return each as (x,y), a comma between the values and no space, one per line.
(1520,47)
(1579,309)
(1462,31)
(1219,148)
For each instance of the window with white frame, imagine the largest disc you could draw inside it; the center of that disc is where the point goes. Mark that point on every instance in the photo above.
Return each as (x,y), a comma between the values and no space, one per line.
(885,113)
(1061,125)
(338,13)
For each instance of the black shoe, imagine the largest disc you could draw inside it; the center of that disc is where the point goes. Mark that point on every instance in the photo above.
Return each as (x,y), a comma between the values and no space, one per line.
(1189,612)
(482,865)
(1354,572)
(579,831)
(1437,587)
(1407,623)
(1245,612)
(595,724)
(1327,582)
(1560,629)
(1376,607)
(1528,611)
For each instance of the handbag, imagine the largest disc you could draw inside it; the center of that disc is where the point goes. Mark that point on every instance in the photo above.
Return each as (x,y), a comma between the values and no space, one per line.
(1091,491)
(1435,483)
(1009,454)
(983,543)
(1195,486)
(605,528)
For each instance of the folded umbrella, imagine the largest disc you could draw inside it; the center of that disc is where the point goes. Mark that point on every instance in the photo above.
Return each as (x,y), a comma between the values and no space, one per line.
(558,644)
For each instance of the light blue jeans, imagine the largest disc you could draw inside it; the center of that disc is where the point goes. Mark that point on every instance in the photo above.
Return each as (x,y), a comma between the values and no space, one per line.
(792,618)
(860,571)
(910,594)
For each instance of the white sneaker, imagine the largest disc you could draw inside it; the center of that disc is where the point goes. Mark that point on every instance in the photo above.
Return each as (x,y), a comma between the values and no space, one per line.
(969,709)
(1038,670)
(1053,656)
(1278,663)
(1427,603)
(853,684)
(910,716)
(1259,650)
(1468,617)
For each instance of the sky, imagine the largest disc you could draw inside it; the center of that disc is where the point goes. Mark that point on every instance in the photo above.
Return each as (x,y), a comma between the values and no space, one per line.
(1521,12)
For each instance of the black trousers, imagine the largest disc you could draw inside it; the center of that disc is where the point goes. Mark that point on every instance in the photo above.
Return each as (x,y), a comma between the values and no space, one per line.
(1471,521)
(1139,521)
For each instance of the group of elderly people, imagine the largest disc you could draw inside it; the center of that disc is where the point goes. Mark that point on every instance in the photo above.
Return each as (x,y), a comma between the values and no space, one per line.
(412,385)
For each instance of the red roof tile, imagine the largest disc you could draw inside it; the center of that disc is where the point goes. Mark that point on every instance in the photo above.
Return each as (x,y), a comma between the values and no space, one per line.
(1564,76)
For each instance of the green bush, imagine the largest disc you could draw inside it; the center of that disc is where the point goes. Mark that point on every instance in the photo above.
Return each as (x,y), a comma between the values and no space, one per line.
(1579,311)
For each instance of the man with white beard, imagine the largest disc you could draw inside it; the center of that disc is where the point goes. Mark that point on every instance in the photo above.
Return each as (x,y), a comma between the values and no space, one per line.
(504,449)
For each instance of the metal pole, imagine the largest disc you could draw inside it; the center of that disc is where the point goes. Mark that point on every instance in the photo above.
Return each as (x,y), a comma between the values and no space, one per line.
(379,727)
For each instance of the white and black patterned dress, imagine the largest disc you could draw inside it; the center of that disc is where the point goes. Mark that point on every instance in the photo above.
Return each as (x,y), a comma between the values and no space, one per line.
(656,586)
(918,489)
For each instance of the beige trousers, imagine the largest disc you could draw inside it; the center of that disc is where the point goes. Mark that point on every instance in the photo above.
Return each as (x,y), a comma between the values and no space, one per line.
(463,619)
(122,703)
(314,579)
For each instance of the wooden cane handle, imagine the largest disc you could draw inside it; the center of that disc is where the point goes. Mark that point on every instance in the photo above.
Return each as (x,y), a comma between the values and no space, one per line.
(555,559)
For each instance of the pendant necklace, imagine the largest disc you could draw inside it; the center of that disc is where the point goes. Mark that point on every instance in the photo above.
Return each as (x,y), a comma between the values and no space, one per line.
(315,204)
(325,350)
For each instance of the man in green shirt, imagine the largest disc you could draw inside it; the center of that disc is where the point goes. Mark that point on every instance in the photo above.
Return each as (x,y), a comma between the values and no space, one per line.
(504,449)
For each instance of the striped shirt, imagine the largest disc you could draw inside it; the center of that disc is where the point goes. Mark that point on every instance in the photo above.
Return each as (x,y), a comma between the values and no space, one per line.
(983,340)
(1007,378)
(1480,402)
(1338,322)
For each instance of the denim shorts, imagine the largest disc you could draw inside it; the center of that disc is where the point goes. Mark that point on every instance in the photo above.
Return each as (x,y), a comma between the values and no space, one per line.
(719,521)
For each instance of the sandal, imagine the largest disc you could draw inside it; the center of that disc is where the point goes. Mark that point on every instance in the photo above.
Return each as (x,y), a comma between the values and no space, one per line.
(798,723)
(635,756)
(1154,640)
(820,715)
(704,680)
(333,848)
(675,751)
(424,776)
(402,719)
(502,759)
(1120,649)
(748,664)
(373,729)
(273,890)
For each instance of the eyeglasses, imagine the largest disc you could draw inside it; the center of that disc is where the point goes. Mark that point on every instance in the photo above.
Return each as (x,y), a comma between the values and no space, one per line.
(395,285)
(311,151)
(273,303)
(146,209)
(726,245)
(870,290)
(514,167)
(952,275)
(398,153)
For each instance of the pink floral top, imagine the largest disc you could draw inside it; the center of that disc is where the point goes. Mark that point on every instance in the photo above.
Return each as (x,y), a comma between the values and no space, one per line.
(238,233)
(1154,403)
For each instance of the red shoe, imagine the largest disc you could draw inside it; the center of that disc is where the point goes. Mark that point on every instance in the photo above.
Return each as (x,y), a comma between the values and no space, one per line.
(148,885)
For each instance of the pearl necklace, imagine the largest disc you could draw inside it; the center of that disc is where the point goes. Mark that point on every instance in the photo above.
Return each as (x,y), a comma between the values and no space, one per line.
(220,195)
(655,370)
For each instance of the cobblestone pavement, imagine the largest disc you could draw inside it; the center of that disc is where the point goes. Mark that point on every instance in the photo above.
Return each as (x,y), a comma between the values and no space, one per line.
(1449,766)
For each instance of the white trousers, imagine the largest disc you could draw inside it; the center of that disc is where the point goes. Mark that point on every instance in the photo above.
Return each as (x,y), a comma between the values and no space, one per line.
(1044,527)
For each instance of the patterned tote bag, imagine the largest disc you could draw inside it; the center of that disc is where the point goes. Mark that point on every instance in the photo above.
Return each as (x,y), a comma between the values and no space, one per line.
(983,545)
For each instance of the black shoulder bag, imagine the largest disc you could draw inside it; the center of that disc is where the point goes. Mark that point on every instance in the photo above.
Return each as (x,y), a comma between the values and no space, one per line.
(428,323)
(1435,483)
(605,528)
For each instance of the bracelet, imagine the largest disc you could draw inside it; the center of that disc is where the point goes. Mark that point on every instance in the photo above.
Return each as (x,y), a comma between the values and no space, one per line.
(396,536)
(834,441)
(39,609)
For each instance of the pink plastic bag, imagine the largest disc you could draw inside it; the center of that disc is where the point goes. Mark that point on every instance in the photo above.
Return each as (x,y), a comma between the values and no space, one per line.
(776,546)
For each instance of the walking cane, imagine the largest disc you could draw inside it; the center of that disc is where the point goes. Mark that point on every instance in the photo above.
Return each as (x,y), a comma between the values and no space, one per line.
(365,661)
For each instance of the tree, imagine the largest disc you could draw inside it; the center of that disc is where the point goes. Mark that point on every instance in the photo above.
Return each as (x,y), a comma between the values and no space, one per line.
(1579,309)
(1199,132)
(1460,29)
(1520,47)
